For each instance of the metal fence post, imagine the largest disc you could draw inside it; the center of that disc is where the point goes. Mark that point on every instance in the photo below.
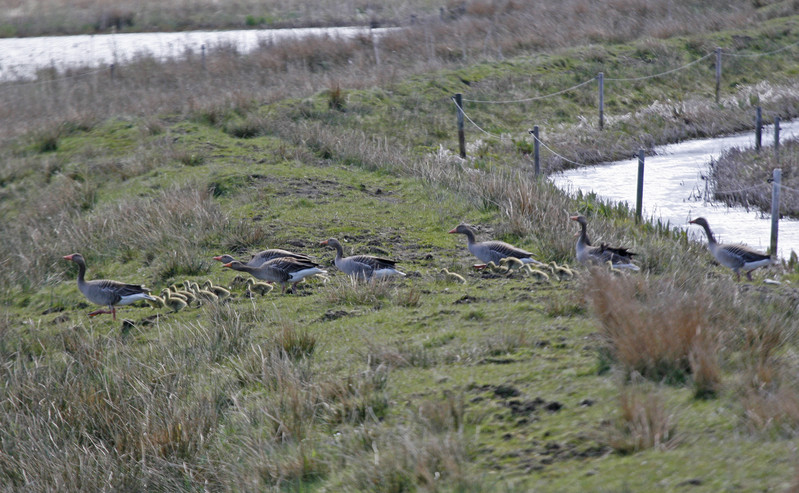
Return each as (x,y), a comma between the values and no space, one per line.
(601,78)
(536,151)
(775,209)
(639,196)
(718,74)
(461,134)
(758,129)
(777,139)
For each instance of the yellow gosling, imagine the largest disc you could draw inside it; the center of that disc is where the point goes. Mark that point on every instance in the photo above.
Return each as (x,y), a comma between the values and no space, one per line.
(262,288)
(221,292)
(447,276)
(156,303)
(512,263)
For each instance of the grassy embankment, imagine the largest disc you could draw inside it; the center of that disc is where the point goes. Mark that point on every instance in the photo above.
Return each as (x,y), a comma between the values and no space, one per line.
(746,172)
(673,378)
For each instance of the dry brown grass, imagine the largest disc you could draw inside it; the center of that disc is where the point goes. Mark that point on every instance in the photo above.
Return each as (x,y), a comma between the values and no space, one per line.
(739,176)
(659,328)
(644,422)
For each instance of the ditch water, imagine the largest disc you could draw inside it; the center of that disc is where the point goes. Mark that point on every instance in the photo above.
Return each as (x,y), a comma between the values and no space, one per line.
(20,58)
(674,190)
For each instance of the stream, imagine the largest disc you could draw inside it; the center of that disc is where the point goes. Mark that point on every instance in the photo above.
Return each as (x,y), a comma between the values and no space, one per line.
(20,58)
(674,190)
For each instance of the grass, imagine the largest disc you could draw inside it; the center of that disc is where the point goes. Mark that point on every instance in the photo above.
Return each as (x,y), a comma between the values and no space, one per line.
(737,173)
(601,382)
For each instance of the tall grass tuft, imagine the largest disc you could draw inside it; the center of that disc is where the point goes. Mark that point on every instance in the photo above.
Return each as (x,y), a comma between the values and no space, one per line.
(644,422)
(657,327)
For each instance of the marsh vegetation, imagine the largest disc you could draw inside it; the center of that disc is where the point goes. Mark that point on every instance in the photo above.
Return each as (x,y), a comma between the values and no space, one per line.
(671,377)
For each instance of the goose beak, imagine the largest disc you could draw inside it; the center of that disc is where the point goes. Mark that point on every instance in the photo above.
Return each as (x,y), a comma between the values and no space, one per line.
(323,243)
(68,257)
(453,231)
(229,264)
(218,258)
(573,218)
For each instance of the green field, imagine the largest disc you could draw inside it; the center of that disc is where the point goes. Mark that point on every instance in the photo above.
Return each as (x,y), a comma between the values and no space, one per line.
(676,378)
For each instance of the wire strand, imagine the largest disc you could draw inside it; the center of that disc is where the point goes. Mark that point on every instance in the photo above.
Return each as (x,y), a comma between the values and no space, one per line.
(645,77)
(555,153)
(534,98)
(756,55)
(472,121)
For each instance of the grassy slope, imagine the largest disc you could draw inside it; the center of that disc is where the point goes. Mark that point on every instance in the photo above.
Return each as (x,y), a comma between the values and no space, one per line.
(464,364)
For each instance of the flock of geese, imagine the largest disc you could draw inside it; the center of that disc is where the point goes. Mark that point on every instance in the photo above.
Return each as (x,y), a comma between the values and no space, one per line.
(288,268)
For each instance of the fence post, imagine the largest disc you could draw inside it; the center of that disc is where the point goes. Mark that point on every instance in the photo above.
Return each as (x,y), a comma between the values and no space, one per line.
(601,78)
(536,151)
(718,73)
(461,135)
(777,139)
(112,69)
(639,196)
(202,58)
(375,40)
(775,209)
(758,129)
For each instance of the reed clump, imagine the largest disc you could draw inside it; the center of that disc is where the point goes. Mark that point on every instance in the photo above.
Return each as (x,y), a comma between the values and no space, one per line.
(658,329)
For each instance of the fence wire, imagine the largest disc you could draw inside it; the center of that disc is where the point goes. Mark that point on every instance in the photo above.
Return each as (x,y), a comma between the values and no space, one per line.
(534,98)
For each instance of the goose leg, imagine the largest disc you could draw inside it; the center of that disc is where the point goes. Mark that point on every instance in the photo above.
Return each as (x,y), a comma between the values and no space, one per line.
(100,312)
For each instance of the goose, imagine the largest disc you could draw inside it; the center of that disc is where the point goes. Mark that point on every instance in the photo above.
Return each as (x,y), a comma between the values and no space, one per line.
(203,294)
(259,287)
(737,257)
(219,291)
(492,251)
(156,303)
(283,270)
(537,274)
(447,276)
(173,302)
(620,257)
(512,263)
(264,256)
(562,272)
(106,292)
(362,266)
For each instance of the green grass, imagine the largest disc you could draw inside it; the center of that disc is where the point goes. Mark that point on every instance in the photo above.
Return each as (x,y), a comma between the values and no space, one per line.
(414,384)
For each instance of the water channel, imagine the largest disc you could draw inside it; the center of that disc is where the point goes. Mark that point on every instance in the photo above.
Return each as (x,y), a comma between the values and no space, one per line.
(674,190)
(20,58)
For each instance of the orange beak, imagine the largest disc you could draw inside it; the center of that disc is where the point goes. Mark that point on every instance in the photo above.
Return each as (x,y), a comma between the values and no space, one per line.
(68,257)
(323,243)
(453,231)
(573,218)
(219,258)
(229,264)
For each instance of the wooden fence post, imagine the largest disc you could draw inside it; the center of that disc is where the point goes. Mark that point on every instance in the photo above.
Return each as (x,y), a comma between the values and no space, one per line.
(461,135)
(536,151)
(718,73)
(112,69)
(758,129)
(639,196)
(777,139)
(601,78)
(775,209)
(202,57)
